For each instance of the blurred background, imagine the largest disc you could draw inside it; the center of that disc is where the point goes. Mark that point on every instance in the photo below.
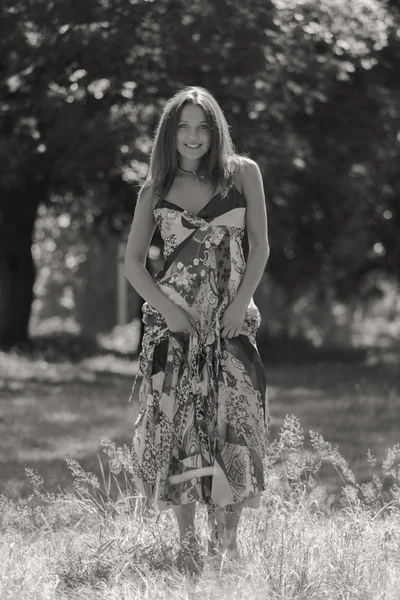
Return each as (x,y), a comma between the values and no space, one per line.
(311,90)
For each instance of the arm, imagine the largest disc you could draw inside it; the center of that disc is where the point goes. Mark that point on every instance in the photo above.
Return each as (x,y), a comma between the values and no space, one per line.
(256,224)
(137,247)
(257,230)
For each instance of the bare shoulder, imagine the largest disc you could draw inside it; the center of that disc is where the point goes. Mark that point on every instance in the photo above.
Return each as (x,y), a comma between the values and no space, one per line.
(144,211)
(147,198)
(256,211)
(248,176)
(247,167)
(142,228)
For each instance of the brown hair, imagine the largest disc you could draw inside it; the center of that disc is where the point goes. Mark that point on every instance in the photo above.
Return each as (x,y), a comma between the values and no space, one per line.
(221,159)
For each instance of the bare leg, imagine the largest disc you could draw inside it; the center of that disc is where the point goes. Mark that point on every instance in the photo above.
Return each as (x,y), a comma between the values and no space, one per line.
(224,529)
(189,559)
(185,515)
(216,522)
(232,522)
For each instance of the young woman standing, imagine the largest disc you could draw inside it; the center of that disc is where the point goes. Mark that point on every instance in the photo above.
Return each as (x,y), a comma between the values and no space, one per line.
(203,423)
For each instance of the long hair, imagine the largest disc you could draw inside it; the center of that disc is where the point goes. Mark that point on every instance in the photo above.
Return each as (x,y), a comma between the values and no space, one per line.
(219,162)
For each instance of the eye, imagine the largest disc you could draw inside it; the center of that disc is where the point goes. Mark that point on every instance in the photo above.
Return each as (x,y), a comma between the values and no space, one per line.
(204,126)
(181,125)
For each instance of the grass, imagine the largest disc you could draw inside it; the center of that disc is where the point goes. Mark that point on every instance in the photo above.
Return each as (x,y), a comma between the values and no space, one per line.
(93,544)
(54,406)
(287,553)
(328,527)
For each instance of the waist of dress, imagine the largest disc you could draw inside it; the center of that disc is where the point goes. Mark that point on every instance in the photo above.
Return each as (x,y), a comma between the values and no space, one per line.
(204,321)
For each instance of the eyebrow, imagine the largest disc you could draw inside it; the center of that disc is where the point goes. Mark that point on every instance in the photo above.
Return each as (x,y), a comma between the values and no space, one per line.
(183,121)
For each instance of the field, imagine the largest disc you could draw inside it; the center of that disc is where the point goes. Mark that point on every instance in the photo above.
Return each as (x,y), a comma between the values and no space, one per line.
(50,411)
(64,543)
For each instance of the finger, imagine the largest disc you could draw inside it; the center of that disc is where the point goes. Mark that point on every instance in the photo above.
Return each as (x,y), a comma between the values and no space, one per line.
(226,328)
(224,331)
(234,332)
(193,323)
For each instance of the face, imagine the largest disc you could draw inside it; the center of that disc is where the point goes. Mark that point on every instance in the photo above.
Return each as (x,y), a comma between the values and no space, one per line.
(193,136)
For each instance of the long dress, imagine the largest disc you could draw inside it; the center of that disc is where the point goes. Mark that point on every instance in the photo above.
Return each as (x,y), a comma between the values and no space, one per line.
(203,422)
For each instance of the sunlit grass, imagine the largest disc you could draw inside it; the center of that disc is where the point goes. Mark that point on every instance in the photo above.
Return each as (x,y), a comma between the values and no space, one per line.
(100,542)
(328,528)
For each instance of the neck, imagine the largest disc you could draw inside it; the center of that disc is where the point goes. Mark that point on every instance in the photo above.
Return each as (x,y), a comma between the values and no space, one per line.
(196,174)
(189,166)
(192,172)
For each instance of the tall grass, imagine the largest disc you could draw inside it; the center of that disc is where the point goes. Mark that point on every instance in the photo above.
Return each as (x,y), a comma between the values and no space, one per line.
(99,541)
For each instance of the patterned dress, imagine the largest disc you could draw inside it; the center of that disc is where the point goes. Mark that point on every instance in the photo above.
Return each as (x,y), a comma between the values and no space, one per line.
(203,421)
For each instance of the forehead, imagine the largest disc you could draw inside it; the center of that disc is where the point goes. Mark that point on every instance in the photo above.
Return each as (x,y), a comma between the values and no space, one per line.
(193,113)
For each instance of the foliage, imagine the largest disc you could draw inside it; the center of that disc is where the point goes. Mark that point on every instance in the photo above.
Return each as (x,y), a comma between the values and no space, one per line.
(310,90)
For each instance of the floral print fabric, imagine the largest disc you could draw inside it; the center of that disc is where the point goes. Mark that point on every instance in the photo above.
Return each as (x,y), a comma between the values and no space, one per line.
(203,421)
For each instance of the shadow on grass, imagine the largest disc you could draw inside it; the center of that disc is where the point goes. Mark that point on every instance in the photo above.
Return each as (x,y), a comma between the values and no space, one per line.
(62,358)
(66,346)
(65,394)
(284,350)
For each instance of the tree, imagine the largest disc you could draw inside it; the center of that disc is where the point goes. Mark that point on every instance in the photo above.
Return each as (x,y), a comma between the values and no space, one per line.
(82,88)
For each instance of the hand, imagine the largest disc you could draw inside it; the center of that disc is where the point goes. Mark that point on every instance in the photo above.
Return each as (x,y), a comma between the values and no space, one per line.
(232,320)
(177,320)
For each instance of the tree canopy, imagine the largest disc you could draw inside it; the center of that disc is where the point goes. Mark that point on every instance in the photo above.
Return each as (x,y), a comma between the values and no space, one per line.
(309,88)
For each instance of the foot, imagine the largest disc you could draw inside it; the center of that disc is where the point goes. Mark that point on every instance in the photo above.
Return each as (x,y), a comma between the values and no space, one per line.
(189,559)
(231,552)
(215,545)
(216,540)
(225,550)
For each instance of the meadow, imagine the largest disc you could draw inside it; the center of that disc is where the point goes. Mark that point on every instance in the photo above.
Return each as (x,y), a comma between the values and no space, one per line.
(72,527)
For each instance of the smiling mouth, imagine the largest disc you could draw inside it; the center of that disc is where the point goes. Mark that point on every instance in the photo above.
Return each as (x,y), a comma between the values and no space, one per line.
(193,146)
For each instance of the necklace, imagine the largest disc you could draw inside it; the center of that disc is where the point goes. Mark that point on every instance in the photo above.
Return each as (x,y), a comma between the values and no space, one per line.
(195,173)
(190,172)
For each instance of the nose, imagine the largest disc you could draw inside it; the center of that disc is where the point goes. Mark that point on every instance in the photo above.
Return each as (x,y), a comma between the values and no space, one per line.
(193,133)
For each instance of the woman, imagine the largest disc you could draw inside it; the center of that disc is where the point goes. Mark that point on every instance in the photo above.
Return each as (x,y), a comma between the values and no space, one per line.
(203,423)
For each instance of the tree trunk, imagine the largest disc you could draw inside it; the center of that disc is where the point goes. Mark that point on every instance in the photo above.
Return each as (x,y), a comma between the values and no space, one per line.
(96,289)
(17,270)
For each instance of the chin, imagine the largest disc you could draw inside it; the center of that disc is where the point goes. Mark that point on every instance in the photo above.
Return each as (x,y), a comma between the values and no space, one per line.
(192,154)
